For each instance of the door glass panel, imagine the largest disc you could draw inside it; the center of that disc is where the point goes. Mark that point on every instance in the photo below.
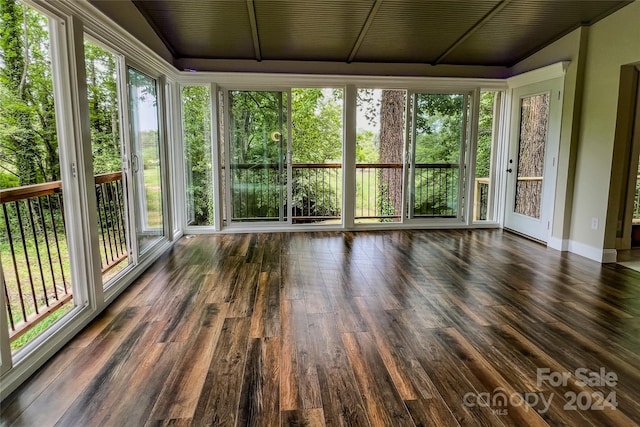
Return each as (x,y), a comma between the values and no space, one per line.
(106,147)
(487,138)
(534,118)
(380,136)
(258,149)
(145,159)
(198,157)
(438,135)
(316,129)
(37,279)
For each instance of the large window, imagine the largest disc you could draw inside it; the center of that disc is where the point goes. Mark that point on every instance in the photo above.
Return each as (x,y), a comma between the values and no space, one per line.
(146,159)
(380,142)
(33,234)
(488,120)
(439,134)
(285,154)
(316,116)
(106,148)
(198,155)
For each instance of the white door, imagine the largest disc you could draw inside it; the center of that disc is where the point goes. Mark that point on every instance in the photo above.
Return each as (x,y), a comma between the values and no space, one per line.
(532,162)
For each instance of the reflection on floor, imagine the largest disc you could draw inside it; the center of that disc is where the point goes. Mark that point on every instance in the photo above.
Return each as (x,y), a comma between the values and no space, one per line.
(630,258)
(402,328)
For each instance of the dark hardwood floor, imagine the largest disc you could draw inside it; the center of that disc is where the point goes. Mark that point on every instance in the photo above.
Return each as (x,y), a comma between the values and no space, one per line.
(425,328)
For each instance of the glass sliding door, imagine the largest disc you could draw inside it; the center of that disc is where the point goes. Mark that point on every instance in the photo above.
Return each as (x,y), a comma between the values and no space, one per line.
(438,135)
(259,156)
(380,142)
(316,130)
(198,154)
(36,206)
(106,146)
(146,160)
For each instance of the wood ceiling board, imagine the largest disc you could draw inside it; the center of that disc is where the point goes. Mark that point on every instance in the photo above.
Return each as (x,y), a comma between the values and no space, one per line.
(419,31)
(202,29)
(309,29)
(524,27)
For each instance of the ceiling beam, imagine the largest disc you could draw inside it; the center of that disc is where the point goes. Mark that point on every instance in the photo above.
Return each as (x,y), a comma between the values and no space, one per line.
(365,28)
(497,8)
(254,29)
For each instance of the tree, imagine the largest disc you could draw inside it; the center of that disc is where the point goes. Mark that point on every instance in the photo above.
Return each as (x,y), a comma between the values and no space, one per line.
(316,138)
(485,134)
(197,144)
(391,150)
(29,146)
(316,117)
(102,94)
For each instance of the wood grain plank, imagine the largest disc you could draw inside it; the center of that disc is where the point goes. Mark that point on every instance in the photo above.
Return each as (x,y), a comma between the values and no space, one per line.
(259,399)
(303,418)
(299,387)
(96,361)
(265,319)
(218,402)
(244,293)
(179,397)
(381,399)
(341,400)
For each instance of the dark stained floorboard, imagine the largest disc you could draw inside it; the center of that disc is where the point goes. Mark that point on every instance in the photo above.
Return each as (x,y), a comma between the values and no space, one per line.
(348,329)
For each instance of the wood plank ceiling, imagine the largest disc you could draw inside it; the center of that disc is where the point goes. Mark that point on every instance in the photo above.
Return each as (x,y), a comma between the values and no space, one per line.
(461,32)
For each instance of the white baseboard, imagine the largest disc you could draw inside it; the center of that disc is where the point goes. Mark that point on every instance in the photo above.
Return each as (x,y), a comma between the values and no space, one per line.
(597,254)
(609,256)
(561,245)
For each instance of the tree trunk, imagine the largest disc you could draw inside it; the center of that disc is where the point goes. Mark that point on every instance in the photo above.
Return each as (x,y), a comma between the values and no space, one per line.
(391,147)
(533,139)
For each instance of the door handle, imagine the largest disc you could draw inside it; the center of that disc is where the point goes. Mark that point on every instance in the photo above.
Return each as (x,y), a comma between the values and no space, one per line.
(135,165)
(509,170)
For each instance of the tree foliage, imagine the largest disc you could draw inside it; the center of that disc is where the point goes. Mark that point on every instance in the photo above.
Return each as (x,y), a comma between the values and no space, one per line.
(102,94)
(196,131)
(28,141)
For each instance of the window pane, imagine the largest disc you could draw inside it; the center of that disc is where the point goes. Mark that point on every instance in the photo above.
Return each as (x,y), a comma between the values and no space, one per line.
(487,135)
(33,241)
(258,129)
(317,155)
(380,137)
(146,160)
(106,146)
(438,138)
(534,118)
(196,134)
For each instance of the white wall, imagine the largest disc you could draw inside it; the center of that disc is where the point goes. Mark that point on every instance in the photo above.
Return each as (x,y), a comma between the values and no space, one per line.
(590,105)
(613,42)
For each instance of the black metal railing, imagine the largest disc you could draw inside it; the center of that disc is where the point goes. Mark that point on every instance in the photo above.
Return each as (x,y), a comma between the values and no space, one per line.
(33,247)
(34,253)
(436,190)
(111,219)
(259,191)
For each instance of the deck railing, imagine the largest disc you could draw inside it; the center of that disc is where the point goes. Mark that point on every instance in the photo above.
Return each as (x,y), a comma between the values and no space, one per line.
(259,191)
(33,247)
(481,199)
